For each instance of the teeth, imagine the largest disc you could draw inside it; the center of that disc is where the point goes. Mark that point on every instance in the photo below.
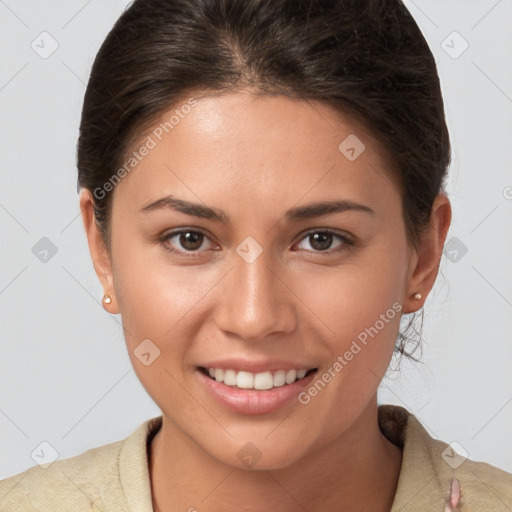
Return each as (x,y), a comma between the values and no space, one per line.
(263,381)
(279,378)
(244,380)
(230,378)
(291,376)
(260,381)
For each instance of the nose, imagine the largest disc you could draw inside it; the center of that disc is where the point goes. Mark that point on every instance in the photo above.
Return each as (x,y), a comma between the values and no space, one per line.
(255,301)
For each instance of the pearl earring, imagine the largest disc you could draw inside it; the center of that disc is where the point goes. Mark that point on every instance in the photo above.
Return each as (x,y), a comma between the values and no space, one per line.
(107,299)
(417,296)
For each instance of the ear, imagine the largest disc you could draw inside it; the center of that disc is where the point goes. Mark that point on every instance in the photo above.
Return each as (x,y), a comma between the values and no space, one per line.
(425,263)
(99,253)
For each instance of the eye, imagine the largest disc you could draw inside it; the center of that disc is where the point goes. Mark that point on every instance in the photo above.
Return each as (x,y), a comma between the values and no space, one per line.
(185,241)
(322,240)
(188,242)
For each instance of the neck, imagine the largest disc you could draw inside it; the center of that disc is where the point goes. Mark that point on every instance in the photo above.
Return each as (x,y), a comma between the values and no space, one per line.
(357,471)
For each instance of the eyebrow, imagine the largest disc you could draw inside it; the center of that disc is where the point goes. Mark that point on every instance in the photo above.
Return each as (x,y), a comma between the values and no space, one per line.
(294,214)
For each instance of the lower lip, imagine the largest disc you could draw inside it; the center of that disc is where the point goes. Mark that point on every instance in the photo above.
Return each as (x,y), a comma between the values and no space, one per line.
(251,401)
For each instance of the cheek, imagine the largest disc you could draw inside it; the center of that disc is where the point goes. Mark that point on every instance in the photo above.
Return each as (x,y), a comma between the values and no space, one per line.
(157,298)
(158,303)
(358,308)
(352,297)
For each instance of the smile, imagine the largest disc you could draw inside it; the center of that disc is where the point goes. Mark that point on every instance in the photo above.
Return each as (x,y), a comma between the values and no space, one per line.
(260,381)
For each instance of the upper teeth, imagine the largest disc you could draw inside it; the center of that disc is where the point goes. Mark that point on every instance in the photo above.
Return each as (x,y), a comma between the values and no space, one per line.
(261,381)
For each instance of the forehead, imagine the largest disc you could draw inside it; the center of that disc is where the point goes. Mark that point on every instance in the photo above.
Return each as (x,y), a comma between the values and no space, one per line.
(255,148)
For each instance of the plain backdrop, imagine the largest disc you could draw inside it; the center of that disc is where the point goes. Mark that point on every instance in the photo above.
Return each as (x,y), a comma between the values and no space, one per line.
(65,376)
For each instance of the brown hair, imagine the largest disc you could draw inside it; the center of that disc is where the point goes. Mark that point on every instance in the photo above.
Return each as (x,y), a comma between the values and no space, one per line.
(365,58)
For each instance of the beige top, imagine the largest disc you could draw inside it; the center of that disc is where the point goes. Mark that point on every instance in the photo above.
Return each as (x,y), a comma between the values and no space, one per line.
(115,477)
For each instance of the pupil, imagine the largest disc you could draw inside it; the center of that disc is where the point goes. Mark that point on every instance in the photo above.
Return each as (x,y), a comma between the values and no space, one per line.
(189,240)
(321,241)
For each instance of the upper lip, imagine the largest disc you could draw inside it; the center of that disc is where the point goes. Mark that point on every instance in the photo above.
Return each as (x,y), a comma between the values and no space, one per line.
(241,365)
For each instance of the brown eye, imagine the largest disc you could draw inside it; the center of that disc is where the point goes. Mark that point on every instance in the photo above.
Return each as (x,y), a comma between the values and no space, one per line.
(191,240)
(322,241)
(185,241)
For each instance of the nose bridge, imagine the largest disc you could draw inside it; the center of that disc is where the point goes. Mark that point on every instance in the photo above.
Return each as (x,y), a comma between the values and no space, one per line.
(254,301)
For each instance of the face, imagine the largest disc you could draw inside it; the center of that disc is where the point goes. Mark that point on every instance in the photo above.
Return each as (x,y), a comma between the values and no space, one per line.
(259,237)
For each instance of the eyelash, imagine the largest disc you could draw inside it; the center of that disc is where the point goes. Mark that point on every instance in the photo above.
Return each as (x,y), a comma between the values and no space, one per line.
(346,244)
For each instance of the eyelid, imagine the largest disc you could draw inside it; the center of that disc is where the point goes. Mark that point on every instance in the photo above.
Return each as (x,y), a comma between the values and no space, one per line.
(331,231)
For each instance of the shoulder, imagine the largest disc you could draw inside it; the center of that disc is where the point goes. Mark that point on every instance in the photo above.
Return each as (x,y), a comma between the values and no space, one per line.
(74,480)
(482,486)
(429,466)
(108,477)
(485,486)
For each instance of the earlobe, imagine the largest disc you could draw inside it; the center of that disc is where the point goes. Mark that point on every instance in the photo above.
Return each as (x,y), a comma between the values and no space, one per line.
(425,265)
(99,253)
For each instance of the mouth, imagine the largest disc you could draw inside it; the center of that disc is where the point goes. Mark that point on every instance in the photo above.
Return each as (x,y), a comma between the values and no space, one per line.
(262,381)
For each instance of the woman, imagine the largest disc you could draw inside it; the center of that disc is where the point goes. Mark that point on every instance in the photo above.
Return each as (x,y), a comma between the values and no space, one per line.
(262,189)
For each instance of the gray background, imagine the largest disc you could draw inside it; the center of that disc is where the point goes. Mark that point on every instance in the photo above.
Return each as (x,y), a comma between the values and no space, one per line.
(65,376)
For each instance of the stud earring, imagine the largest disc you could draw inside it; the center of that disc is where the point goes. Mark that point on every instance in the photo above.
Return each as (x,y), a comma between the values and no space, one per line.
(107,299)
(417,296)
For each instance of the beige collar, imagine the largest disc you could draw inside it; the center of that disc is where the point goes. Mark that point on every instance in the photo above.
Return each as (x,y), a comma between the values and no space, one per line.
(428,467)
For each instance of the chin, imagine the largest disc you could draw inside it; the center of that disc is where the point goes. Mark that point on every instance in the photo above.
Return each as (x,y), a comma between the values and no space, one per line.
(257,456)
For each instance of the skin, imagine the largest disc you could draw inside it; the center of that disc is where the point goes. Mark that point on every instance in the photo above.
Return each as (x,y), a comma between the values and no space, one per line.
(255,158)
